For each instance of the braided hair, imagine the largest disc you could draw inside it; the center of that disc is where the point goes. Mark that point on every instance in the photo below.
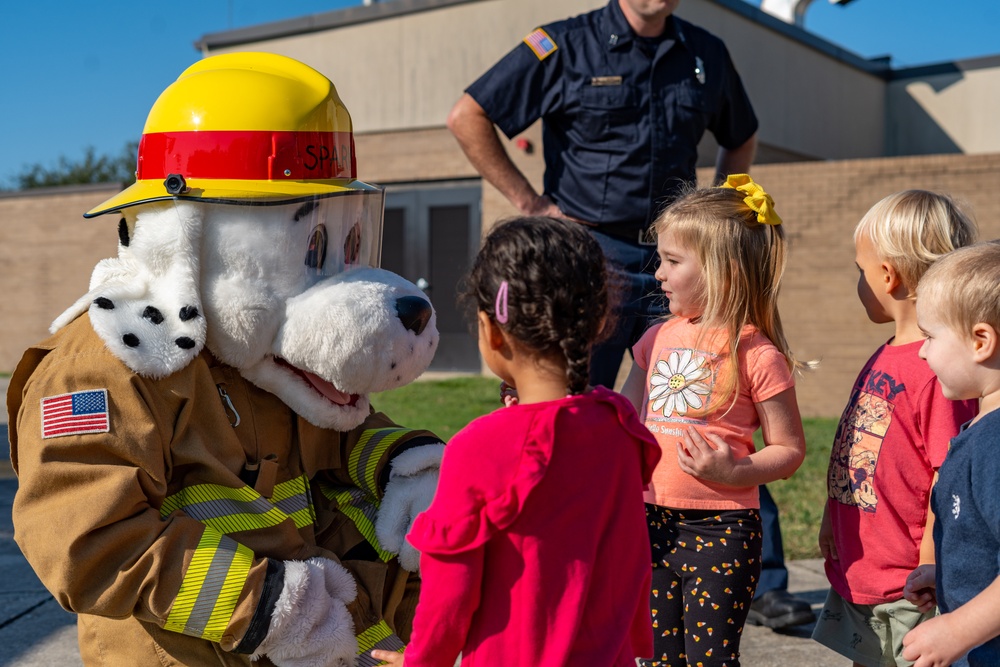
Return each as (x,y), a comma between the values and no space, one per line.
(556,288)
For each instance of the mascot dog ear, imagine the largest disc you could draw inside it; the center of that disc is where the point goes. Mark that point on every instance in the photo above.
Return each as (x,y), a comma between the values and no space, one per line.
(145,304)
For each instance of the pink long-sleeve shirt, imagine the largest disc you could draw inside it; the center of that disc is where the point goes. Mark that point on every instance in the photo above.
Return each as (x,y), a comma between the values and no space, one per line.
(535,550)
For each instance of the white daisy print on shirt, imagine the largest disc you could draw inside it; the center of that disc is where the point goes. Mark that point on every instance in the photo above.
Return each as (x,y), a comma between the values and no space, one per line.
(676,384)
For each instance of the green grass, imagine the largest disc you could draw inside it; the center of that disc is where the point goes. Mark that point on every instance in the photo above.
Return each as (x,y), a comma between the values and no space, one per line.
(441,406)
(445,406)
(801,498)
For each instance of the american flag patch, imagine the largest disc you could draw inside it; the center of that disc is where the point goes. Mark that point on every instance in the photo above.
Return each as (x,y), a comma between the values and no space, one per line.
(75,413)
(540,42)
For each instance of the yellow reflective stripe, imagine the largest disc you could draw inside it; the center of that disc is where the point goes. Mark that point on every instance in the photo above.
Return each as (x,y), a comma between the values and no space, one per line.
(360,509)
(379,636)
(295,499)
(211,587)
(233,510)
(366,454)
(362,513)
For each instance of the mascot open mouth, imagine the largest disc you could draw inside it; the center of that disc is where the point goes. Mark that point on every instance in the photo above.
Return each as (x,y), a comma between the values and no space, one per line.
(325,389)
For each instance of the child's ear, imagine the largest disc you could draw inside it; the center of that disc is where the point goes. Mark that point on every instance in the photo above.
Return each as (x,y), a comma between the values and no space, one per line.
(890,278)
(490,331)
(985,340)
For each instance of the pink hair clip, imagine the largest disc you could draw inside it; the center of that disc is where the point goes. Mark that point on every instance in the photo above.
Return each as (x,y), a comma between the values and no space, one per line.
(501,304)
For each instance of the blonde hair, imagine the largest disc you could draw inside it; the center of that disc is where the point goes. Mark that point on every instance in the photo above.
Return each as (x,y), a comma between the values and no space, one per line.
(964,287)
(912,229)
(742,263)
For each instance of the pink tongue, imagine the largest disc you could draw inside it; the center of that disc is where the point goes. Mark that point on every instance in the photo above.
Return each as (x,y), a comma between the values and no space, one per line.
(327,389)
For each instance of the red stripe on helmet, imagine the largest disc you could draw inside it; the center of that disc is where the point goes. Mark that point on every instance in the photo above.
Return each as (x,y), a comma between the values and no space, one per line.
(247,155)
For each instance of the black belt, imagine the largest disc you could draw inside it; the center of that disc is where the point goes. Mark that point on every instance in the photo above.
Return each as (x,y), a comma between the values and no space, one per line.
(627,232)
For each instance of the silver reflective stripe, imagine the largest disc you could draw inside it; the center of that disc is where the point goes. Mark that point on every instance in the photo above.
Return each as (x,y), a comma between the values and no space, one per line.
(215,509)
(211,588)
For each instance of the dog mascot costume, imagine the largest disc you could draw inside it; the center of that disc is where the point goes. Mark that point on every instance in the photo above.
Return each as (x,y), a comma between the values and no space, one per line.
(201,476)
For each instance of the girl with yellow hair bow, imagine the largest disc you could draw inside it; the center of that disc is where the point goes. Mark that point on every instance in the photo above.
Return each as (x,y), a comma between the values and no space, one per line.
(704,381)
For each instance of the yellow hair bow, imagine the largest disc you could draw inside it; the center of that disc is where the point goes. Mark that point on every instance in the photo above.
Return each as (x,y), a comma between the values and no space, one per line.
(759,201)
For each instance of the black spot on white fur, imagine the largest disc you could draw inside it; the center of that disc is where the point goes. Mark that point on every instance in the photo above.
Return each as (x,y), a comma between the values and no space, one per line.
(153,315)
(188,313)
(104,303)
(131,340)
(123,232)
(185,343)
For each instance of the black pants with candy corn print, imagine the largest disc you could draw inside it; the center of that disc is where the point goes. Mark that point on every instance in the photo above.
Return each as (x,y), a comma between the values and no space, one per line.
(706,564)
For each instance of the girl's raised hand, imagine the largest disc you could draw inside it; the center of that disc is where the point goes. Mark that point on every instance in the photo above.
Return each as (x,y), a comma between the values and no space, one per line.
(392,657)
(700,458)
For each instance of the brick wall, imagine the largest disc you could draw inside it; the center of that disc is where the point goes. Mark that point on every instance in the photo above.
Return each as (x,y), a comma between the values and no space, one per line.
(47,250)
(821,203)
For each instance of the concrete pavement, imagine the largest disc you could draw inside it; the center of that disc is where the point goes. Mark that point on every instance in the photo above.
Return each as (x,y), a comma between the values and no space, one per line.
(36,632)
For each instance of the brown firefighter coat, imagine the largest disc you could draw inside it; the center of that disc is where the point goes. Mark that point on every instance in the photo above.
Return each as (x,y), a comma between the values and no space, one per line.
(162,516)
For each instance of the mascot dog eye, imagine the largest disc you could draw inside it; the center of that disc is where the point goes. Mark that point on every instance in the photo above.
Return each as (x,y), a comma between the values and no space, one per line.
(316,255)
(205,405)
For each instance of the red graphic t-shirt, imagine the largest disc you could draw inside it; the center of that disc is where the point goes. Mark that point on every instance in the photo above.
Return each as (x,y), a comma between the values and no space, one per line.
(892,436)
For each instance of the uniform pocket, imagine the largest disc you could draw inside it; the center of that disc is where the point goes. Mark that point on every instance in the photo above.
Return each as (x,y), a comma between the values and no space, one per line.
(609,116)
(691,112)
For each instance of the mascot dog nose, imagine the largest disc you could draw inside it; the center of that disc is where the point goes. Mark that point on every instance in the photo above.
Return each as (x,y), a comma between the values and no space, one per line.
(413,312)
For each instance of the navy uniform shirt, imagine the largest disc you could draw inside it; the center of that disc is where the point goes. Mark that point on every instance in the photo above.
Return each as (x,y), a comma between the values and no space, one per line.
(620,127)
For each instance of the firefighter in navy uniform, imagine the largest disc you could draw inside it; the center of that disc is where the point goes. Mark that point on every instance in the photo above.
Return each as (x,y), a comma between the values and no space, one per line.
(625,94)
(200,472)
(622,115)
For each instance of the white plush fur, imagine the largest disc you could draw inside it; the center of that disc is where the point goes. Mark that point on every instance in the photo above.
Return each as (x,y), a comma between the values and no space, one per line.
(242,268)
(310,626)
(345,330)
(412,482)
(158,270)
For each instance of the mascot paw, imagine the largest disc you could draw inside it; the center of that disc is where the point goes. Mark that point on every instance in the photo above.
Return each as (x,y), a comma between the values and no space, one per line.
(310,626)
(412,483)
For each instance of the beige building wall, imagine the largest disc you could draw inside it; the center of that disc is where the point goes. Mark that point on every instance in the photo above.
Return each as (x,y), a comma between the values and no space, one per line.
(405,72)
(821,203)
(946,109)
(47,250)
(809,103)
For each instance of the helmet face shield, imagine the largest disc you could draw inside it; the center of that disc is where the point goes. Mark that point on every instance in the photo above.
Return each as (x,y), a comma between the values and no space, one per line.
(341,232)
(285,246)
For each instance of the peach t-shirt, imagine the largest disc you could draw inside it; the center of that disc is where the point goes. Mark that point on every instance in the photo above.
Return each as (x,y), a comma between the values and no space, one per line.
(684,365)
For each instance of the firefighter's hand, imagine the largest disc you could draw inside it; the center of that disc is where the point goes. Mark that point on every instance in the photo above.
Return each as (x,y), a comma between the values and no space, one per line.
(310,625)
(412,483)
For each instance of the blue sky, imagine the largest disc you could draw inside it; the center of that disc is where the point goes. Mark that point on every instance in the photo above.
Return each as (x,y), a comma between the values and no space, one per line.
(77,74)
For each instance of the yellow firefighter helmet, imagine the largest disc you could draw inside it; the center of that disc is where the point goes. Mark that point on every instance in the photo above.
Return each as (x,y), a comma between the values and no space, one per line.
(244,128)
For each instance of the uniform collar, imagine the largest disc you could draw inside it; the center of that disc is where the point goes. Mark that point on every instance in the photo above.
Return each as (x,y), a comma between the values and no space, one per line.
(618,33)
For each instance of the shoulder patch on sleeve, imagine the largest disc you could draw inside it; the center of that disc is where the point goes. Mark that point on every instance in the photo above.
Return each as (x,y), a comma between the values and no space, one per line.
(75,413)
(540,42)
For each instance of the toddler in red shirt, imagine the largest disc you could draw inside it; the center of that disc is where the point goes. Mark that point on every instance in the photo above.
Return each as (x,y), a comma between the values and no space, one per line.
(892,438)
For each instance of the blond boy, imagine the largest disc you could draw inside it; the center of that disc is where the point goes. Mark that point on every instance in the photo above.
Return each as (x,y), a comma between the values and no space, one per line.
(892,437)
(958,309)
